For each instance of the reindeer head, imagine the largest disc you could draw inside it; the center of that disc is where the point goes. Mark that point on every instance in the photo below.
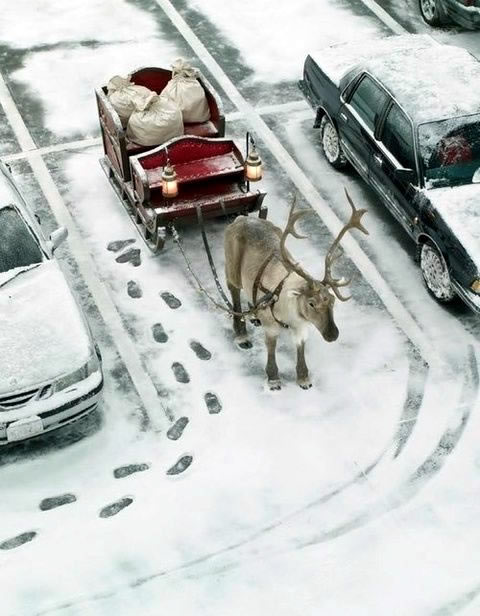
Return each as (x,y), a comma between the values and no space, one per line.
(315,298)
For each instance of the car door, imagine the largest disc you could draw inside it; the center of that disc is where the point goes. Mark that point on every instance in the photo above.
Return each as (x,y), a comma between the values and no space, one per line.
(357,120)
(393,169)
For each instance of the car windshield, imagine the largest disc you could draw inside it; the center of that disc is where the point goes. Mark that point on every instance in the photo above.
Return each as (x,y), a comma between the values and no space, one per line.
(18,246)
(450,151)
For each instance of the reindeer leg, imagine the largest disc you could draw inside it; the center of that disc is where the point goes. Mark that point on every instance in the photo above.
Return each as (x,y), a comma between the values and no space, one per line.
(239,325)
(302,370)
(271,367)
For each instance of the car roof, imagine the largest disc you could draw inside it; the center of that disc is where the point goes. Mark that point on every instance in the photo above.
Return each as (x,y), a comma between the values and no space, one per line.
(430,83)
(430,80)
(339,59)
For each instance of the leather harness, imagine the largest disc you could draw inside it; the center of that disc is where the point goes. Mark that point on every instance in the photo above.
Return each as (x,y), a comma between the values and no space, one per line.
(275,294)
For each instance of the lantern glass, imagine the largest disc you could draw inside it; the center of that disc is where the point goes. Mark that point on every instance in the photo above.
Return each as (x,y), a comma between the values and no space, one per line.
(253,166)
(169,182)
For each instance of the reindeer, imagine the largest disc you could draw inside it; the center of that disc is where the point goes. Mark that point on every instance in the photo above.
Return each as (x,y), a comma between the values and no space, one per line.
(256,259)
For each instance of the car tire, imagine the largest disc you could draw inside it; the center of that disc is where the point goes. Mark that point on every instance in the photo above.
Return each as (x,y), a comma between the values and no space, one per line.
(331,144)
(431,12)
(435,273)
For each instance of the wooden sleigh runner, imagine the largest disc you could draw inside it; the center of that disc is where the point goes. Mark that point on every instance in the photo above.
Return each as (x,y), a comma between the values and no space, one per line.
(209,170)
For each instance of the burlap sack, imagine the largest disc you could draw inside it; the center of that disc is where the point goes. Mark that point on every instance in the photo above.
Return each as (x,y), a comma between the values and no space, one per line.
(122,93)
(155,120)
(185,90)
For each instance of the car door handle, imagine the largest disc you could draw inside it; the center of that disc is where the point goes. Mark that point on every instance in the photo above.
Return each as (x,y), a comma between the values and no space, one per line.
(378,160)
(344,117)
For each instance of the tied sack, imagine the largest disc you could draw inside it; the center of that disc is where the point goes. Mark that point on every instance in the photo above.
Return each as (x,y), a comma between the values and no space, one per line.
(122,94)
(185,90)
(155,120)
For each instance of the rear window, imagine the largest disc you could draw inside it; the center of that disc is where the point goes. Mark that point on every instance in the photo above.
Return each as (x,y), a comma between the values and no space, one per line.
(18,246)
(450,151)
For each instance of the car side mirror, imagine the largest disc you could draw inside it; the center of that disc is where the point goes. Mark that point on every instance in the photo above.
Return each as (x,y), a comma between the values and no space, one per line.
(405,175)
(57,237)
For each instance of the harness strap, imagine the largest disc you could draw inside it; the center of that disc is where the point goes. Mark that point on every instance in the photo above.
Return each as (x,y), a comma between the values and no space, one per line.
(275,294)
(210,258)
(258,277)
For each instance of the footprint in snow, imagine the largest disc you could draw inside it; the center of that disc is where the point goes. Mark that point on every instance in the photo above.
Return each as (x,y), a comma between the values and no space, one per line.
(200,351)
(214,405)
(134,290)
(17,541)
(170,299)
(119,245)
(159,334)
(57,501)
(114,508)
(180,373)
(132,255)
(176,431)
(129,469)
(180,466)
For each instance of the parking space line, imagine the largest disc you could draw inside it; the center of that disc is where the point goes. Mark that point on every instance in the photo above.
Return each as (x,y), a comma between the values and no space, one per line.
(384,17)
(290,107)
(143,384)
(368,269)
(58,147)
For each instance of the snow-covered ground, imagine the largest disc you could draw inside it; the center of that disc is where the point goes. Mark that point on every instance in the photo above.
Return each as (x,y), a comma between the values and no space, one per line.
(357,497)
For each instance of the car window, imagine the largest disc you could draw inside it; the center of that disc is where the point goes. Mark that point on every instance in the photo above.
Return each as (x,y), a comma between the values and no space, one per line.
(368,100)
(397,136)
(18,247)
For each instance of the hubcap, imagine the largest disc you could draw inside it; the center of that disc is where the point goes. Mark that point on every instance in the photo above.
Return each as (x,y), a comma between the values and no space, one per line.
(331,146)
(435,273)
(428,8)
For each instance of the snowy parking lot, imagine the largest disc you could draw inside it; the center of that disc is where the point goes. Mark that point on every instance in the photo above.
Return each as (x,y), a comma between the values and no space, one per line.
(193,489)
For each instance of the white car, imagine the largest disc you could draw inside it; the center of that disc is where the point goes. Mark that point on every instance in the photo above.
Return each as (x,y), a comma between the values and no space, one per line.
(50,368)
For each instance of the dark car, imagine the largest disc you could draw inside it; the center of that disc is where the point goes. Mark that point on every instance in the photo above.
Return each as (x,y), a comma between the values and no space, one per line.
(405,113)
(465,13)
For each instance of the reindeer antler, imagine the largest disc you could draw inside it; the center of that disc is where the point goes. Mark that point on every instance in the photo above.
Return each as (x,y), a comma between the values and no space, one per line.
(336,251)
(290,230)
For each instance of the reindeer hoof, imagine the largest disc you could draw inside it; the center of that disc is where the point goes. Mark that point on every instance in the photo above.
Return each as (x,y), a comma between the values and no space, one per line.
(304,384)
(243,342)
(274,385)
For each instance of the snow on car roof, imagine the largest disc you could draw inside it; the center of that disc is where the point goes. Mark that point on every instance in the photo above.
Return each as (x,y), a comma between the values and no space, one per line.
(338,59)
(430,80)
(430,83)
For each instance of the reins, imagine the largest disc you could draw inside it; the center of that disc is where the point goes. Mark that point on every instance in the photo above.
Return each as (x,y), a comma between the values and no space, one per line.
(267,300)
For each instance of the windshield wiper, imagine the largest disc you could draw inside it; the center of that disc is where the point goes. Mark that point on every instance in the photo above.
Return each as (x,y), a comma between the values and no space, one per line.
(28,268)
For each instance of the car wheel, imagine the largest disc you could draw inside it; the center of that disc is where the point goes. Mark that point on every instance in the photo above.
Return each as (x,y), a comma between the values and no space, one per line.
(431,12)
(435,273)
(331,144)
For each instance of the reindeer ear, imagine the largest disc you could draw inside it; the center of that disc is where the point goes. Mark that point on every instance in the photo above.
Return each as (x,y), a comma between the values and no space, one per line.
(293,293)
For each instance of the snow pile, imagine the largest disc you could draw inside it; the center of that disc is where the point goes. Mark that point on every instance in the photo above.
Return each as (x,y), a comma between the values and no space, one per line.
(42,334)
(459,208)
(24,24)
(65,79)
(275,37)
